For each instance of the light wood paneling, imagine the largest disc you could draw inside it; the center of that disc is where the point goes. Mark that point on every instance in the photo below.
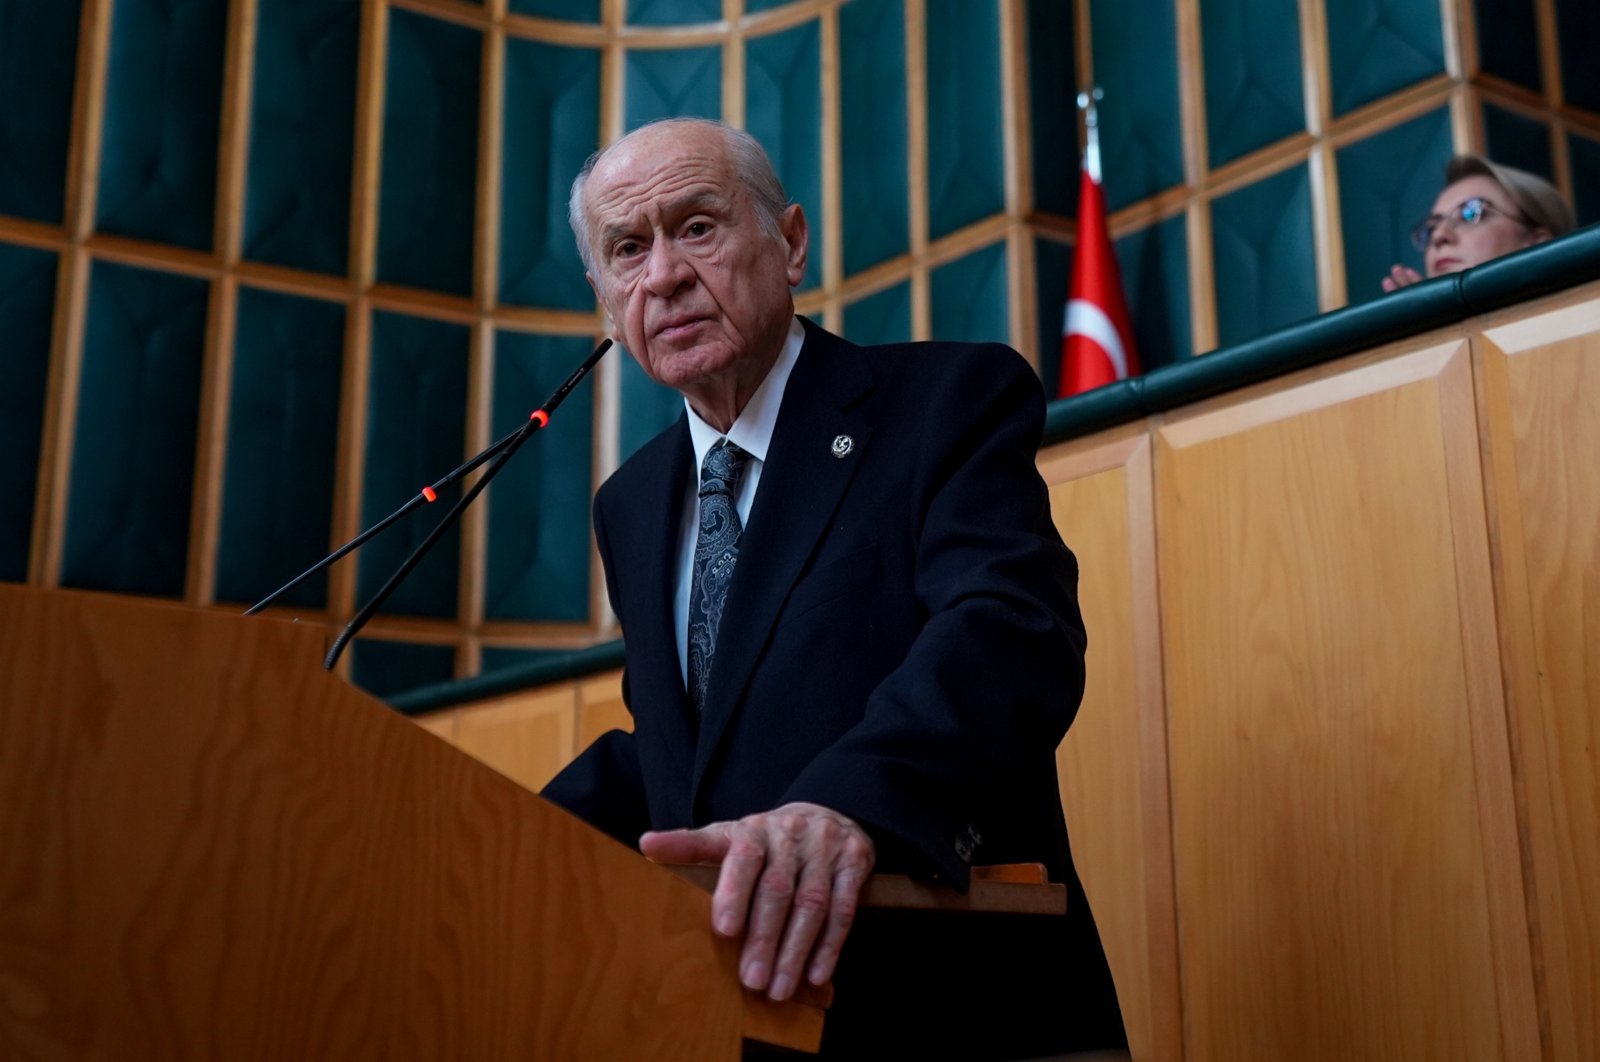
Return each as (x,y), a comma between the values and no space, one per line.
(600,708)
(1112,766)
(527,738)
(1540,382)
(1325,624)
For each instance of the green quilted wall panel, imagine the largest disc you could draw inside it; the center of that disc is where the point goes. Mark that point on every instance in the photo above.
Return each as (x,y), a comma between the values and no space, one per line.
(645,407)
(1264,256)
(302,127)
(282,447)
(564,10)
(1578,31)
(158,163)
(966,151)
(1508,42)
(1252,75)
(38,48)
(552,123)
(496,658)
(1155,275)
(1378,46)
(1387,183)
(386,668)
(884,317)
(872,133)
(27,295)
(681,82)
(1053,108)
(416,432)
(1585,156)
(969,297)
(673,12)
(1052,267)
(1517,140)
(427,197)
(538,556)
(133,456)
(1136,63)
(783,110)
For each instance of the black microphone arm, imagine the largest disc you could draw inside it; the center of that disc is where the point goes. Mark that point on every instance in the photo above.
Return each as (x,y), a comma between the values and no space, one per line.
(500,452)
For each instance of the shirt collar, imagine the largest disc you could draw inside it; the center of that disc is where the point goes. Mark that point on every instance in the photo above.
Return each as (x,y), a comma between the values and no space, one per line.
(752,429)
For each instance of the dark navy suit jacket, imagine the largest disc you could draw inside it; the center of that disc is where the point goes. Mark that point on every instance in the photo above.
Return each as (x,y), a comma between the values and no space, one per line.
(901,643)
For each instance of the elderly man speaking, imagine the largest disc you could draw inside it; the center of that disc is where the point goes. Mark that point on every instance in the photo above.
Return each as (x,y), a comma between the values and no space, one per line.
(853,638)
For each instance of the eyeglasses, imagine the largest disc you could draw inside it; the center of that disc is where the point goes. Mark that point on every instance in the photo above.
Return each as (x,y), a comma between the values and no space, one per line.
(1468,212)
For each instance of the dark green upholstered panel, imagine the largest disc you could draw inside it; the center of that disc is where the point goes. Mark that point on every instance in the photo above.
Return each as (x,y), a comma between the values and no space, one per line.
(1136,62)
(38,45)
(1584,155)
(1508,42)
(1578,31)
(552,123)
(495,660)
(783,110)
(302,124)
(542,669)
(133,455)
(416,432)
(646,407)
(1252,65)
(966,153)
(1387,183)
(565,10)
(538,557)
(427,195)
(673,12)
(158,162)
(872,123)
(1052,107)
(1052,267)
(27,295)
(969,297)
(283,433)
(1378,46)
(753,6)
(678,82)
(881,318)
(387,668)
(1264,256)
(1518,140)
(1155,275)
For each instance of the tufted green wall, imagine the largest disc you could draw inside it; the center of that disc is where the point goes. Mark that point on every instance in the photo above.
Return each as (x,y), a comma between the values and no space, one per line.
(267,267)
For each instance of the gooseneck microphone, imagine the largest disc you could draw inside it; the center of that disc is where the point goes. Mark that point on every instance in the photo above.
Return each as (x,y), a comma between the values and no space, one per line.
(499,452)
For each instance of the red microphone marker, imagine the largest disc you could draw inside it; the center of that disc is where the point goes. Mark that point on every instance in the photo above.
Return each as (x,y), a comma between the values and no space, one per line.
(430,494)
(541,416)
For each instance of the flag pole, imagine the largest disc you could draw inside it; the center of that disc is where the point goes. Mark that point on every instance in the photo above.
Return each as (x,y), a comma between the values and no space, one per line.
(1087,103)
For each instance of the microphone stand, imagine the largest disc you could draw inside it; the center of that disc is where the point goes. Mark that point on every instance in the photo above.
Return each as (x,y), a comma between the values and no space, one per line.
(500,451)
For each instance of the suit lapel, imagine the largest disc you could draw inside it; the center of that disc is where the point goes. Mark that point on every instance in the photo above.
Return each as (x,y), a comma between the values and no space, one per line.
(802,482)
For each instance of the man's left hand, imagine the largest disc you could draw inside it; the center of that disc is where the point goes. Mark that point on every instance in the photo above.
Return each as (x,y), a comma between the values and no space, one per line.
(790,881)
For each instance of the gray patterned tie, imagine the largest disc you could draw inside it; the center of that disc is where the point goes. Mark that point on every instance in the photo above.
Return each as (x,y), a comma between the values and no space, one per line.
(715,552)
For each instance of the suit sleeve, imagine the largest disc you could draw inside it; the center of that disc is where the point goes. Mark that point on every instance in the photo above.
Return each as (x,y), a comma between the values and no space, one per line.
(604,785)
(953,760)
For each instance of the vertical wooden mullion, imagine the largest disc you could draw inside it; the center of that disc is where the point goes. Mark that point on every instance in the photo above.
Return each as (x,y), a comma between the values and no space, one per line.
(1316,86)
(831,223)
(917,166)
(1544,12)
(1022,306)
(1196,175)
(733,64)
(68,322)
(222,310)
(1459,23)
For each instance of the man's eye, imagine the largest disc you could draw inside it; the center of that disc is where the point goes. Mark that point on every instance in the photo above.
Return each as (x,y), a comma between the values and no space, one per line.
(698,228)
(626,249)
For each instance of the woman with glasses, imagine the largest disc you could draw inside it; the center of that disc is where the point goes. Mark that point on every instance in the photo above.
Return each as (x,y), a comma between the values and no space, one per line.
(1486,210)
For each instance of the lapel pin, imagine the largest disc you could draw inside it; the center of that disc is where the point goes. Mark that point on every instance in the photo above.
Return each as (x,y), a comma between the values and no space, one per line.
(842,445)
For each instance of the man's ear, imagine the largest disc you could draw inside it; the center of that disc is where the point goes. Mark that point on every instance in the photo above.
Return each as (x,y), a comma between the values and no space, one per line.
(797,235)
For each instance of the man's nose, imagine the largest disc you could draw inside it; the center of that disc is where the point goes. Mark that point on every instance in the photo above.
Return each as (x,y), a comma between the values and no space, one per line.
(666,270)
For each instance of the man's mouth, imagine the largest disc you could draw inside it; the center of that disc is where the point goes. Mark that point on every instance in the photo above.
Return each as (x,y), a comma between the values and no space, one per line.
(674,327)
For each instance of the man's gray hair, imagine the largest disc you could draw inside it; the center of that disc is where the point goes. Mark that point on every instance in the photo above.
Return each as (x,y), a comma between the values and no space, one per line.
(750,165)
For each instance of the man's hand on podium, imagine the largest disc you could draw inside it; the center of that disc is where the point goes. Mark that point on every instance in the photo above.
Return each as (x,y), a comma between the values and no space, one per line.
(790,882)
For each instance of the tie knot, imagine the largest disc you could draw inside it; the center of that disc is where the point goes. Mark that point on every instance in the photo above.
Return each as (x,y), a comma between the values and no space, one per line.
(723,466)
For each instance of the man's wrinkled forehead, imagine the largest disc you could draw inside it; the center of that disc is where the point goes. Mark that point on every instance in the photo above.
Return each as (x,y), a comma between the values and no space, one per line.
(656,169)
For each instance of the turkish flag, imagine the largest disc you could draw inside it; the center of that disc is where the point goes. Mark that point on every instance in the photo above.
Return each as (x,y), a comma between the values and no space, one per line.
(1097,336)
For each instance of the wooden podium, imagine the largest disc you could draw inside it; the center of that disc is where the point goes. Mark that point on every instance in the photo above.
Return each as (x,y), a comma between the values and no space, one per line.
(211,849)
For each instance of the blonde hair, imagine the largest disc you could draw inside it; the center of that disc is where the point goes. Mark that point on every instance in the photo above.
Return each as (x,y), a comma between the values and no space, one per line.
(1538,200)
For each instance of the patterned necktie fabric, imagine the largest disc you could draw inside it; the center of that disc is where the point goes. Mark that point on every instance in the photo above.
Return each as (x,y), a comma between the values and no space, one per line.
(716,550)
